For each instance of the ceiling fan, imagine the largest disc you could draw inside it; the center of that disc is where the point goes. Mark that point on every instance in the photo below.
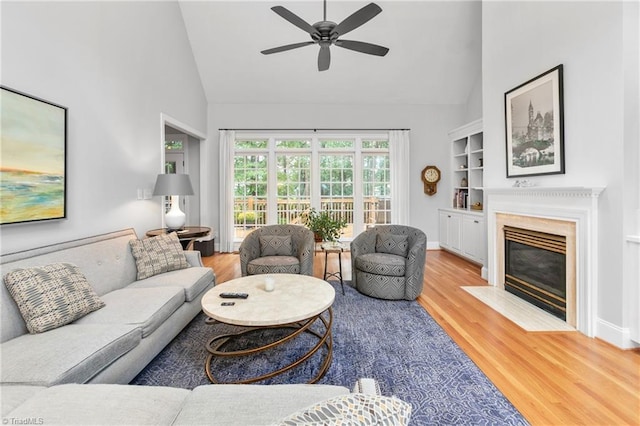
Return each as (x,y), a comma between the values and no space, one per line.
(325,33)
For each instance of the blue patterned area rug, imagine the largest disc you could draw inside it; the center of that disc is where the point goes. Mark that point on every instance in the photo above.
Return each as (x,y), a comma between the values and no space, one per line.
(395,342)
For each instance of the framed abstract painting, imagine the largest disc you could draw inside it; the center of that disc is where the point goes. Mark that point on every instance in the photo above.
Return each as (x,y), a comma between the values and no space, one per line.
(33,158)
(534,119)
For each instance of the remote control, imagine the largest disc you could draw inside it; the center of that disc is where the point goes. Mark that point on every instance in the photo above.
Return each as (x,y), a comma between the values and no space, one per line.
(234,295)
(227,303)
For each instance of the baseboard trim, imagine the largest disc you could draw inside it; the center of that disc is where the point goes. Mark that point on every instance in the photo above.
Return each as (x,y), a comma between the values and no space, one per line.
(617,336)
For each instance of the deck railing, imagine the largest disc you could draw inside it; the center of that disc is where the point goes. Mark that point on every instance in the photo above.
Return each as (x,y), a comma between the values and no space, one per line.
(250,213)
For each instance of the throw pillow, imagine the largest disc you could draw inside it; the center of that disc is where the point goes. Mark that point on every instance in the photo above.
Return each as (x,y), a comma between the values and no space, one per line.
(276,245)
(51,296)
(392,244)
(353,409)
(157,255)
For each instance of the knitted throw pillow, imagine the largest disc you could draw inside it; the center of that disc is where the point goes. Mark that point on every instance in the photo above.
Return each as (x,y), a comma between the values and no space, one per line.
(276,245)
(51,296)
(157,255)
(392,244)
(353,409)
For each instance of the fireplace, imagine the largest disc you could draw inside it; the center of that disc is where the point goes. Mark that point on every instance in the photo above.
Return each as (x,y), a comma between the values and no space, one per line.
(536,269)
(569,212)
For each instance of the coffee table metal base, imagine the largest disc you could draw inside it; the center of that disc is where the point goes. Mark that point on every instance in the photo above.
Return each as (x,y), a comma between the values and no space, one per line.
(216,347)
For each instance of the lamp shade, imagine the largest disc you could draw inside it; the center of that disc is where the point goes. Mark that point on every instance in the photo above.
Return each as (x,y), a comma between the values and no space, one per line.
(173,184)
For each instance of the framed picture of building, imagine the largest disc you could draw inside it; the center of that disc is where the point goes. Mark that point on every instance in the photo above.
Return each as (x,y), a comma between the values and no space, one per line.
(534,126)
(33,158)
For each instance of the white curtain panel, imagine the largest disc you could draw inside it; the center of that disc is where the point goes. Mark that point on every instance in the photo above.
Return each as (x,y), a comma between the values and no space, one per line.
(399,158)
(227,141)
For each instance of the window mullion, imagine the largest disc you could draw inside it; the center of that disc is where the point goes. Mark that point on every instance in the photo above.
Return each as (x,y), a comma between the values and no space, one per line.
(272,184)
(358,212)
(315,173)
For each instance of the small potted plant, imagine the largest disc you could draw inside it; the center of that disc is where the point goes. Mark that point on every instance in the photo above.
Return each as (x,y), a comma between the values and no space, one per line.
(325,225)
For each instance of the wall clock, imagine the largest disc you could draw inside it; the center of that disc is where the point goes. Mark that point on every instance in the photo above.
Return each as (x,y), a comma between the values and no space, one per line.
(430,177)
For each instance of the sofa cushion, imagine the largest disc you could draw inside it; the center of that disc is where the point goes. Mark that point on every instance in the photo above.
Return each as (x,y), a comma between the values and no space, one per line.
(274,265)
(392,244)
(357,408)
(381,264)
(235,405)
(15,395)
(193,280)
(159,254)
(70,354)
(51,296)
(276,245)
(146,308)
(75,404)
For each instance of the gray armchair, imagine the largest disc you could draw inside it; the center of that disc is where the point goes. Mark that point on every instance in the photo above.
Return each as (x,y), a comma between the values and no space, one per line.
(387,262)
(277,249)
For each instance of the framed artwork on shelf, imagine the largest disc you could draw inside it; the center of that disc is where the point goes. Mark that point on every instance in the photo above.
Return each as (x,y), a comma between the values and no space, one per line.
(33,158)
(534,126)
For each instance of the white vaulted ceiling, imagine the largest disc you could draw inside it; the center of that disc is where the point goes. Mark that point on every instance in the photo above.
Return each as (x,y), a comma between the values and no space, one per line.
(434,57)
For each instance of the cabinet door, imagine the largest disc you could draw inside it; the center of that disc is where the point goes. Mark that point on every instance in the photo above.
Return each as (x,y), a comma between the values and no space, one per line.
(443,229)
(473,238)
(450,230)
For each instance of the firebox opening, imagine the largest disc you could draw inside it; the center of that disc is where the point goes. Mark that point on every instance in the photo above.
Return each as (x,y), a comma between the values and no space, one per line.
(535,269)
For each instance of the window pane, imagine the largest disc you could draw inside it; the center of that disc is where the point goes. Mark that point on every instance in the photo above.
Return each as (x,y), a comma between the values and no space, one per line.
(343,143)
(252,144)
(250,193)
(336,187)
(369,144)
(294,186)
(173,145)
(376,189)
(293,144)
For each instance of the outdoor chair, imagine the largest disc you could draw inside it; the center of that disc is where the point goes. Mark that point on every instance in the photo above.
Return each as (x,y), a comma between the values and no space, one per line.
(387,262)
(277,249)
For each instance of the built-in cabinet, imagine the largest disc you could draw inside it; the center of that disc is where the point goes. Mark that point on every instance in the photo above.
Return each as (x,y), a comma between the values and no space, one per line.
(462,226)
(463,233)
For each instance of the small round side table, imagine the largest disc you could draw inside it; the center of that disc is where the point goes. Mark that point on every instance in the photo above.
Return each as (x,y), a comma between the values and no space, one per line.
(186,235)
(336,247)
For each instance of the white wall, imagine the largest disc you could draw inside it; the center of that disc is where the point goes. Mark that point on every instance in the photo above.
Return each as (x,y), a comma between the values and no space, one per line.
(524,39)
(429,141)
(117,66)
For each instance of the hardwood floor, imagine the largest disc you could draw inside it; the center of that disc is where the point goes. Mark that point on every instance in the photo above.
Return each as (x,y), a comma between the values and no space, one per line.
(559,378)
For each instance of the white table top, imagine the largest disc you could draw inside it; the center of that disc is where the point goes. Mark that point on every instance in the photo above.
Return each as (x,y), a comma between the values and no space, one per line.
(295,298)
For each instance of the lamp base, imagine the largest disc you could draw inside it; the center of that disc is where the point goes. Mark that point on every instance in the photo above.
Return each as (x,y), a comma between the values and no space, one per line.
(175,218)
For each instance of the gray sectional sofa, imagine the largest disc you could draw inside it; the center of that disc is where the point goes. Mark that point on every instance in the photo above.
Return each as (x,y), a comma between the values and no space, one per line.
(112,344)
(77,374)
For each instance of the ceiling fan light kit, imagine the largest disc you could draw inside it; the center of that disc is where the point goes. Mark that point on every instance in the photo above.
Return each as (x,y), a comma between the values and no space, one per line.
(325,33)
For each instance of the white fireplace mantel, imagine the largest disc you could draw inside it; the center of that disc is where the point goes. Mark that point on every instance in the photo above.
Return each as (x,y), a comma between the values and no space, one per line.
(571,204)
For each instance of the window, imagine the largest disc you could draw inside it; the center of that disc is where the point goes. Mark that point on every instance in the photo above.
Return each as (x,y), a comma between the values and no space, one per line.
(278,178)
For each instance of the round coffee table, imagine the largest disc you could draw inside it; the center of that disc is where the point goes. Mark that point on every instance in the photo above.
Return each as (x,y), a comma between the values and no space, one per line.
(296,303)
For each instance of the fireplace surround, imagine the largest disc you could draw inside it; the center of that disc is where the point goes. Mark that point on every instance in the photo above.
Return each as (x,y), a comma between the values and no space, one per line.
(570,212)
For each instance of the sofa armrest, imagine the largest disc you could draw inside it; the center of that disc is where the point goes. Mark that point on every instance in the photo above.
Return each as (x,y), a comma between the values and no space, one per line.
(194,258)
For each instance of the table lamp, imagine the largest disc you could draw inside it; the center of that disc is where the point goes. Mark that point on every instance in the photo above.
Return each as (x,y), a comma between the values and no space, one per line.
(174,185)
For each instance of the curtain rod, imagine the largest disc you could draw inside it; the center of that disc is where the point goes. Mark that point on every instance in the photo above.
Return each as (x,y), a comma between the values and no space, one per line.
(313,130)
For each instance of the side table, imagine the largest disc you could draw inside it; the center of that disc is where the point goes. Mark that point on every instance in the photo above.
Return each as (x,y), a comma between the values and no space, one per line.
(336,247)
(186,235)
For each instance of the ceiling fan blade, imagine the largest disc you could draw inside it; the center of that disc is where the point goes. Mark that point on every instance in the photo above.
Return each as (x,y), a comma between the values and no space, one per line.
(360,46)
(324,57)
(356,19)
(295,20)
(286,47)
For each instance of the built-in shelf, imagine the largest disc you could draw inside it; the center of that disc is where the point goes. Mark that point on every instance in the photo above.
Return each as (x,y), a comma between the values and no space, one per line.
(462,226)
(467,148)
